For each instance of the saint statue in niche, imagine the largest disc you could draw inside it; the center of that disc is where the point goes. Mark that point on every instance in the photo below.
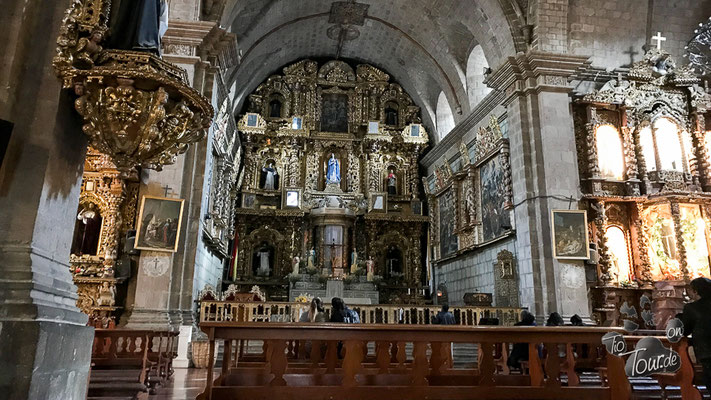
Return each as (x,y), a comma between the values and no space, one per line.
(392,182)
(370,268)
(270,177)
(87,231)
(137,25)
(333,172)
(295,265)
(263,259)
(311,263)
(354,261)
(394,260)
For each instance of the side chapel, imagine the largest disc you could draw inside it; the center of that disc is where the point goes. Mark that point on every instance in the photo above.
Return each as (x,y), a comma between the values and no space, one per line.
(645,172)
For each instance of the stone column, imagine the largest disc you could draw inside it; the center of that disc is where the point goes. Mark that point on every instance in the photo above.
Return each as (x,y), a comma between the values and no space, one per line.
(147,303)
(544,176)
(45,345)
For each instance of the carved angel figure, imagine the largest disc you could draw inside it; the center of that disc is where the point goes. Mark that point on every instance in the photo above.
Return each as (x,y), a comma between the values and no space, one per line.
(106,295)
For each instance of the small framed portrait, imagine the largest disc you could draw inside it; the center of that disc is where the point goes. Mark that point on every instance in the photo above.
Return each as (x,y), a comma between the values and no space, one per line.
(296,123)
(159,224)
(378,202)
(252,120)
(416,207)
(415,130)
(373,127)
(291,198)
(570,234)
(248,200)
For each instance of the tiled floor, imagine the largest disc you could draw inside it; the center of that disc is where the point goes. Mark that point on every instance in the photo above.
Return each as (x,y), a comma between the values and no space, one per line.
(186,384)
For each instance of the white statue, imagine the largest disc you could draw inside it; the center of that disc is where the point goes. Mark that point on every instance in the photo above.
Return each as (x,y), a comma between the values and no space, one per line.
(370,267)
(263,269)
(333,174)
(270,179)
(354,261)
(295,265)
(106,295)
(311,263)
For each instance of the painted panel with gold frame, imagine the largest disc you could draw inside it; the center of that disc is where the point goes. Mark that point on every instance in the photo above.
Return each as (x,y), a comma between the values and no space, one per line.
(159,224)
(291,198)
(378,202)
(570,234)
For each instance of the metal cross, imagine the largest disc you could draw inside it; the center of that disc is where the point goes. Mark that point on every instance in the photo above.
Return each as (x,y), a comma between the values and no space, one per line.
(166,188)
(659,38)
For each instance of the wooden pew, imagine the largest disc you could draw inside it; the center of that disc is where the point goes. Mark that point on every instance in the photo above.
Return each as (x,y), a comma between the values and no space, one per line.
(394,372)
(130,363)
(119,364)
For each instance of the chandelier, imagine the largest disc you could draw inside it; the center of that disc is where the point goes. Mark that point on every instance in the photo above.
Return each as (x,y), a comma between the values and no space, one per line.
(698,50)
(137,109)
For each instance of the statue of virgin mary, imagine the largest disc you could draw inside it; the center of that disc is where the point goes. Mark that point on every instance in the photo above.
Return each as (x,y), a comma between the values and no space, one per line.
(333,174)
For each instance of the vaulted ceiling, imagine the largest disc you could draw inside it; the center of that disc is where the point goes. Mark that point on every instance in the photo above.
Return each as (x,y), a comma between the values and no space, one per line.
(423,44)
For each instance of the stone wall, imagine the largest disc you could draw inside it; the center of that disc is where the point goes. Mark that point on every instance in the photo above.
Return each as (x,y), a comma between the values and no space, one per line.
(608,30)
(472,271)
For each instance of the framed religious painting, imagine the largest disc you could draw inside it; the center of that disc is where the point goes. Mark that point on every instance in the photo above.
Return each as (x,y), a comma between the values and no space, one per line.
(416,206)
(291,199)
(373,127)
(252,120)
(491,159)
(448,240)
(378,202)
(297,123)
(159,224)
(249,200)
(570,234)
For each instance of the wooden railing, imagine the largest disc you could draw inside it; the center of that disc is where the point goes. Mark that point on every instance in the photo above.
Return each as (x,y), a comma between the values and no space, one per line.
(230,311)
(375,361)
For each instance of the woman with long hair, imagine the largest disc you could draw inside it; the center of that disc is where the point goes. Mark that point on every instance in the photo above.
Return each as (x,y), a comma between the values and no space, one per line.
(315,312)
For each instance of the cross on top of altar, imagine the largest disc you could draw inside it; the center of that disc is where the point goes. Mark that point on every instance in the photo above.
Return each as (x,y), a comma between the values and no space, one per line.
(659,39)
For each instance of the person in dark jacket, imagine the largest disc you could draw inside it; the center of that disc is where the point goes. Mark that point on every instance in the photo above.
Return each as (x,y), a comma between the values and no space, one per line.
(575,320)
(519,351)
(338,310)
(341,313)
(555,320)
(444,317)
(698,323)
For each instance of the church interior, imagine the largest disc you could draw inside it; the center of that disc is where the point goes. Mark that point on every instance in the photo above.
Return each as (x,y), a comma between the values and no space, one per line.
(191,190)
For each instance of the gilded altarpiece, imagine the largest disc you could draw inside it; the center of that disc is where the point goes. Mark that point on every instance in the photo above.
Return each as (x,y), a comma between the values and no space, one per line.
(108,198)
(472,207)
(644,168)
(331,181)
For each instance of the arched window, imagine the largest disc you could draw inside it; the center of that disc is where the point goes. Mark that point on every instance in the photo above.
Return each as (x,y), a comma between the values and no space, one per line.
(646,141)
(609,152)
(445,119)
(672,144)
(666,134)
(618,248)
(476,64)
